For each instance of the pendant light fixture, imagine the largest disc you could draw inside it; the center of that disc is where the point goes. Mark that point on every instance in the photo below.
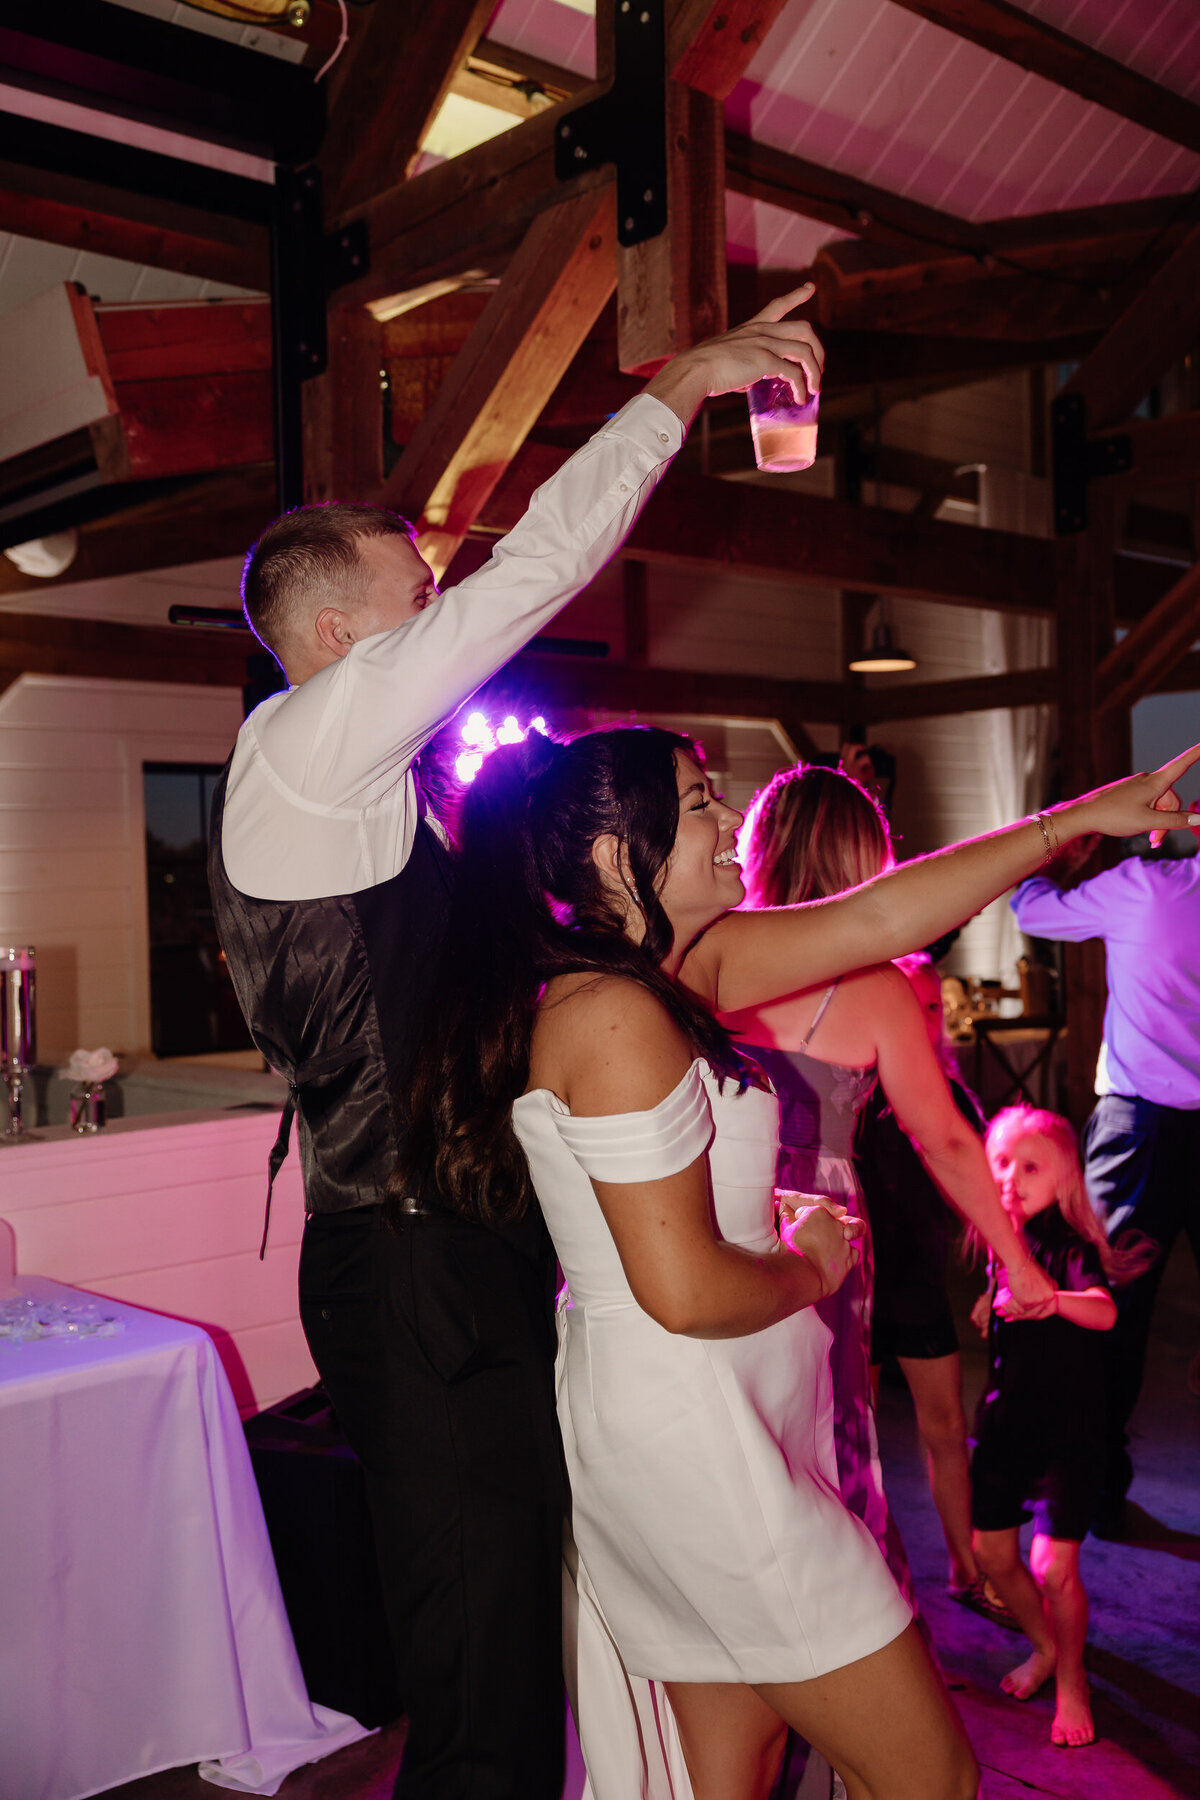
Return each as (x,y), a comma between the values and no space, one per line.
(883,658)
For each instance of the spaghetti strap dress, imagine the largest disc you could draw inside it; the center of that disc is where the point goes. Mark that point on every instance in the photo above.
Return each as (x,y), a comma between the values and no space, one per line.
(820,1103)
(711,1539)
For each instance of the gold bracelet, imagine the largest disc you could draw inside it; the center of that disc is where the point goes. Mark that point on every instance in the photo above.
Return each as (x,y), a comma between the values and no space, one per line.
(1044,826)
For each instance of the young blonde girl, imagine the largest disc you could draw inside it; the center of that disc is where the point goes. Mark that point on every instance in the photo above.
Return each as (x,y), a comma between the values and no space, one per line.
(1040,1425)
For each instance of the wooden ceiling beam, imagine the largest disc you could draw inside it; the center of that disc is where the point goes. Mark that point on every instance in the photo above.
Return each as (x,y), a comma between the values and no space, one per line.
(1006,306)
(470,207)
(711,43)
(971,693)
(623,687)
(925,235)
(866,369)
(1158,326)
(628,687)
(219,516)
(513,360)
(869,272)
(1183,678)
(38,644)
(862,369)
(815,192)
(1015,34)
(554,81)
(753,530)
(592,389)
(162,234)
(391,84)
(1166,452)
(1139,583)
(1147,654)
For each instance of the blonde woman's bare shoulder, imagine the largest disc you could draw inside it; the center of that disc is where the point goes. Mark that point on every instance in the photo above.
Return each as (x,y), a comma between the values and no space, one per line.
(880,980)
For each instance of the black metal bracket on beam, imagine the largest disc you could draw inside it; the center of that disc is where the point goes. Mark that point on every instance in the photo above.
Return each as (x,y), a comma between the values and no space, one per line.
(627,126)
(307,265)
(1077,460)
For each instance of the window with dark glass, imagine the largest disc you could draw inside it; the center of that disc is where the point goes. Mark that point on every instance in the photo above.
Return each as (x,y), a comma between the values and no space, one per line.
(193,1008)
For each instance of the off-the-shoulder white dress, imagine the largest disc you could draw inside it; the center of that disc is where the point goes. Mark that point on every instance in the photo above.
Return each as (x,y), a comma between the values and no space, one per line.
(705,1504)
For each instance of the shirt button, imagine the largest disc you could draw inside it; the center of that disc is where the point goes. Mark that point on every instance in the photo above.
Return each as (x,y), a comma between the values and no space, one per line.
(663,438)
(325,1313)
(623,487)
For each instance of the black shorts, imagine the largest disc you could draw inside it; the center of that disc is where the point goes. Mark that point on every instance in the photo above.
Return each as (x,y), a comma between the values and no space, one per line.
(925,1342)
(1059,1494)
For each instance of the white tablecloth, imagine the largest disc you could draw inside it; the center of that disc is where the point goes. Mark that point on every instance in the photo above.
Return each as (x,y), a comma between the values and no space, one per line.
(141,1622)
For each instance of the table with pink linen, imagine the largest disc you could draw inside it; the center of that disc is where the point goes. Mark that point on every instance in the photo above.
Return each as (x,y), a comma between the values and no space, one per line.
(141,1622)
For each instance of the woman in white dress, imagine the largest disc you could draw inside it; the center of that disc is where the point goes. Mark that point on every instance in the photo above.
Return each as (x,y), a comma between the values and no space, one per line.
(576,1056)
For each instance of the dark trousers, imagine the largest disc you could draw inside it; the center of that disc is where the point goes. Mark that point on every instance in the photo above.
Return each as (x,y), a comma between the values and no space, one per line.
(1142,1164)
(435,1346)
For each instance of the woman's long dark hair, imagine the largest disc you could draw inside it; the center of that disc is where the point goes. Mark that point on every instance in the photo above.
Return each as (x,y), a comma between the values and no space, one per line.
(529,904)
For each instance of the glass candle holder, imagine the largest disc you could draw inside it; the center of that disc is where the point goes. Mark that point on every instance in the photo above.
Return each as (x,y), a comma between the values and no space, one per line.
(88,1107)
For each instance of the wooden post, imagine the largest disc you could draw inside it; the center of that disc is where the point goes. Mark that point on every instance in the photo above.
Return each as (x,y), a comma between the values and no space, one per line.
(855,608)
(1085,635)
(343,413)
(637,612)
(671,290)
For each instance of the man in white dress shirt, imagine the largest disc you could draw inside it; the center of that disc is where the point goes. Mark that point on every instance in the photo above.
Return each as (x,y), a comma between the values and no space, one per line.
(1142,1142)
(329,887)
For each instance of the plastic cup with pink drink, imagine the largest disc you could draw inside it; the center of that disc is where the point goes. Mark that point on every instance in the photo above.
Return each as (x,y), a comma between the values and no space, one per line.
(784,430)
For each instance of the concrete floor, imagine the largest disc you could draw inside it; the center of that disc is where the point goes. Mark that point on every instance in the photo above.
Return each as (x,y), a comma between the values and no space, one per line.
(1144,1644)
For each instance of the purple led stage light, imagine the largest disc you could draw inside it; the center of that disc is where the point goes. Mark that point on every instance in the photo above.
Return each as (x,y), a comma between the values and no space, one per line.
(481,738)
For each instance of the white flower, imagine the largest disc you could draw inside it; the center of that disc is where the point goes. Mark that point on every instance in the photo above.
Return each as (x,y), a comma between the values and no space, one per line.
(90,1066)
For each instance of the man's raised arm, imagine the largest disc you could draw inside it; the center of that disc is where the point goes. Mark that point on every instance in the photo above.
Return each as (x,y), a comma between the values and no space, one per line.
(364,719)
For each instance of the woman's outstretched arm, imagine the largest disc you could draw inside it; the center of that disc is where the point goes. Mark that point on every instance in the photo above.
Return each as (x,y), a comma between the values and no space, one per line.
(913,1080)
(748,958)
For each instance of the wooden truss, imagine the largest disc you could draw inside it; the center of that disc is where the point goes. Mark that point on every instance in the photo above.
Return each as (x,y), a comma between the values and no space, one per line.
(510,320)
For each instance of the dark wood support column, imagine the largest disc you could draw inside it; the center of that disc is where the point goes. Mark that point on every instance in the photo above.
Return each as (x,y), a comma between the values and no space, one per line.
(1085,635)
(671,289)
(343,412)
(637,612)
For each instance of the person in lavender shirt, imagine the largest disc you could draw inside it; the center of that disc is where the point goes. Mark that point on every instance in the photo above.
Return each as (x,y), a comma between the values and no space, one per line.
(1142,1141)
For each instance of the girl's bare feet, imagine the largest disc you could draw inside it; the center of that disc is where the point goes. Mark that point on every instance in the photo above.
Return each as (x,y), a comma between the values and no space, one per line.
(1072,1719)
(1024,1681)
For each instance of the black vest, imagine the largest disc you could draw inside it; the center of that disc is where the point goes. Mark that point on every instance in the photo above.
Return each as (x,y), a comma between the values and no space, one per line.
(335,992)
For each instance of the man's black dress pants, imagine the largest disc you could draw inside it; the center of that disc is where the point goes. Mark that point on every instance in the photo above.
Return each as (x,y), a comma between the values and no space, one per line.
(435,1344)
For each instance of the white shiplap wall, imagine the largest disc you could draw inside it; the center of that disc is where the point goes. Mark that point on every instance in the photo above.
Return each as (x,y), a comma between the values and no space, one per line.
(947,786)
(720,622)
(169,1217)
(987,422)
(72,840)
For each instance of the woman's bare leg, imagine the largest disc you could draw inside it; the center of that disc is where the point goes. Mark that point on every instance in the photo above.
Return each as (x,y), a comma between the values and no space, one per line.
(1056,1568)
(885,1723)
(732,1740)
(998,1554)
(935,1384)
